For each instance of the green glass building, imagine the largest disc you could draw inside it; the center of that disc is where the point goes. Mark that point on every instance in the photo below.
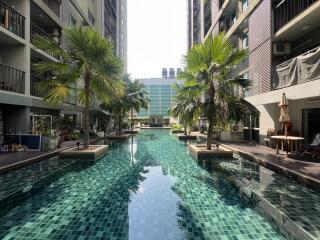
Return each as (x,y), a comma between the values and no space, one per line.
(161,94)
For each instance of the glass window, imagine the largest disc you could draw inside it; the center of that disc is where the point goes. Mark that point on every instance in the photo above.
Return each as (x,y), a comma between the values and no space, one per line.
(245,41)
(72,21)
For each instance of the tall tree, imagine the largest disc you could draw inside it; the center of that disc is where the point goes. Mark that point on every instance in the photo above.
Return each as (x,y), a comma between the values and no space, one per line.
(209,66)
(136,97)
(186,105)
(132,99)
(85,55)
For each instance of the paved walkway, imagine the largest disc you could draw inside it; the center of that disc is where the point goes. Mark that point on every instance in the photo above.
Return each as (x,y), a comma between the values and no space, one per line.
(13,160)
(306,167)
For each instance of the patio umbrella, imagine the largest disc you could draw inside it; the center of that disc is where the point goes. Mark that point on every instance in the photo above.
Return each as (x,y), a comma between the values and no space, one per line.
(284,112)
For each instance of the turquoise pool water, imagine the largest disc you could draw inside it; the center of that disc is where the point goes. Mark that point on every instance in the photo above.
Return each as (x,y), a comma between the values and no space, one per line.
(146,188)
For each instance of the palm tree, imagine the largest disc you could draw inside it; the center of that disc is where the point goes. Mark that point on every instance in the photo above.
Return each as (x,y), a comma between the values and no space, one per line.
(85,55)
(209,66)
(132,99)
(136,97)
(186,105)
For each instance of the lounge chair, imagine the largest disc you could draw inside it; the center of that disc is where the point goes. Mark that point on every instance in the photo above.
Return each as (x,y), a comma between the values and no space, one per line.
(314,146)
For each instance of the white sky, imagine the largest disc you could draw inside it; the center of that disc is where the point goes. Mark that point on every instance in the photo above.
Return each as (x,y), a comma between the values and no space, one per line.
(157,36)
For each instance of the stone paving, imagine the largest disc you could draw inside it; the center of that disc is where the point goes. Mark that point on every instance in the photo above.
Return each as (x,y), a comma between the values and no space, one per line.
(307,167)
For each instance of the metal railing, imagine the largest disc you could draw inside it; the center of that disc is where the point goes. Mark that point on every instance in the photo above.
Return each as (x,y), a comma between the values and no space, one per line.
(11,79)
(11,19)
(34,89)
(35,32)
(54,5)
(287,10)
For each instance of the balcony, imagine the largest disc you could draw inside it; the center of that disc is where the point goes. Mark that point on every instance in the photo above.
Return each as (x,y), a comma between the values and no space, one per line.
(287,10)
(11,79)
(11,19)
(34,81)
(35,32)
(301,69)
(54,5)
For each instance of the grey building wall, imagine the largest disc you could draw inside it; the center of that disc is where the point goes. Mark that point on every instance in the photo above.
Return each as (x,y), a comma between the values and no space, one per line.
(260,48)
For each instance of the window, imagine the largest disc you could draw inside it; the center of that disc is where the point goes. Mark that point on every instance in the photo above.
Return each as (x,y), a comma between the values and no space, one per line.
(246,92)
(72,21)
(245,4)
(91,18)
(245,41)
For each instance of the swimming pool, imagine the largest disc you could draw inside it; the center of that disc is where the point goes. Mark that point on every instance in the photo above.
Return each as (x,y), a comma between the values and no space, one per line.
(146,188)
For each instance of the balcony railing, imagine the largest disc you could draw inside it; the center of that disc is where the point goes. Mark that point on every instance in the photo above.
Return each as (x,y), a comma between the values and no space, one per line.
(11,19)
(34,89)
(36,32)
(287,10)
(11,79)
(301,69)
(54,5)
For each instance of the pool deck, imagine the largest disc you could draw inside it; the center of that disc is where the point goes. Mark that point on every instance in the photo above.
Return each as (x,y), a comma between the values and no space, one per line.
(303,169)
(13,160)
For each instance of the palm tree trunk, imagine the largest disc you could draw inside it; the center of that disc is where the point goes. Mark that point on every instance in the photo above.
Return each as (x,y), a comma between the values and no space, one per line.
(185,128)
(209,135)
(86,113)
(131,119)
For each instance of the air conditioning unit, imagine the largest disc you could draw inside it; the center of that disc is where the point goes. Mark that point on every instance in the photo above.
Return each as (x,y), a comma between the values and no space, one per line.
(237,128)
(281,48)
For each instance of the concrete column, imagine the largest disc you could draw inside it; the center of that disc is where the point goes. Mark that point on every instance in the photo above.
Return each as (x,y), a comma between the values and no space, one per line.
(27,53)
(202,20)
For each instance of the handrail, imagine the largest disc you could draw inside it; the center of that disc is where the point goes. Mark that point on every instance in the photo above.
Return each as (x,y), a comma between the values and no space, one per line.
(54,5)
(12,79)
(288,10)
(291,59)
(37,31)
(34,80)
(11,19)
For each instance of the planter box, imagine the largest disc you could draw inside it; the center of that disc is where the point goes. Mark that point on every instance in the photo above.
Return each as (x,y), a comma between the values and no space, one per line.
(231,136)
(199,151)
(100,134)
(124,136)
(225,136)
(186,137)
(93,153)
(49,143)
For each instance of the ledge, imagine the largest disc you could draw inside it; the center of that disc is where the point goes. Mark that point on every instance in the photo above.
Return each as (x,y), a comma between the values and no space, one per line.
(118,137)
(199,151)
(94,152)
(186,137)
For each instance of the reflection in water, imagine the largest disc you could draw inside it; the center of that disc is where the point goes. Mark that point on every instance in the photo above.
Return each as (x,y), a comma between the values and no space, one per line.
(145,188)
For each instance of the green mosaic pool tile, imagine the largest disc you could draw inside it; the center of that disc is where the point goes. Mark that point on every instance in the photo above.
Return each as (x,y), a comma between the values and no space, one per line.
(151,189)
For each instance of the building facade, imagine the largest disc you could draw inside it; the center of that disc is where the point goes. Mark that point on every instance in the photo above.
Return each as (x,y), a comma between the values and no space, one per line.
(161,92)
(282,37)
(20,22)
(114,19)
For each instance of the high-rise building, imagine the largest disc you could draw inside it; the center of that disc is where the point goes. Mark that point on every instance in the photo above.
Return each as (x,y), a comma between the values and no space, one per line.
(161,92)
(20,22)
(115,26)
(282,37)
